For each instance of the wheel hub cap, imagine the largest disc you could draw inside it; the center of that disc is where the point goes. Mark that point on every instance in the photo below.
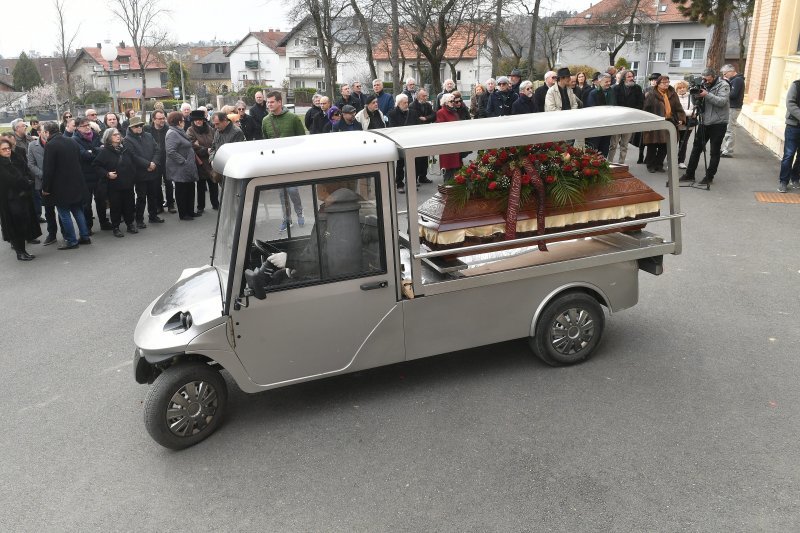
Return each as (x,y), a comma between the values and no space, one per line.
(571,331)
(192,408)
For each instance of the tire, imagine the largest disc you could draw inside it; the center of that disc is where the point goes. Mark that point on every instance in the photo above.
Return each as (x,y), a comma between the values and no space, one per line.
(568,330)
(185,405)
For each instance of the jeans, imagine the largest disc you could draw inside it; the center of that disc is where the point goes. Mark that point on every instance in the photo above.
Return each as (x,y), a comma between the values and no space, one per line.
(713,133)
(295,196)
(37,201)
(791,143)
(67,228)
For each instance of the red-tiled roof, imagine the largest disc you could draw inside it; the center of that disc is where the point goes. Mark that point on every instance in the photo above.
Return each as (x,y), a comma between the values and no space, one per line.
(152,62)
(150,92)
(408,49)
(268,38)
(604,10)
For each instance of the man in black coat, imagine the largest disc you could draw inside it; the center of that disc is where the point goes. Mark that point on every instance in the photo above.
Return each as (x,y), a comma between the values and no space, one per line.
(348,98)
(146,155)
(89,144)
(500,101)
(550,78)
(251,130)
(398,116)
(62,179)
(525,103)
(159,132)
(259,109)
(626,94)
(420,111)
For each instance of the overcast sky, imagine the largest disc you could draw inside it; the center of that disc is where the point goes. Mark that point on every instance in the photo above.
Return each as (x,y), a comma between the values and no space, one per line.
(30,24)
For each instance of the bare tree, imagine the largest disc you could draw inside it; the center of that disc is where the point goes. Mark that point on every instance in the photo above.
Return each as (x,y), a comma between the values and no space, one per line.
(141,18)
(551,32)
(366,34)
(613,28)
(470,33)
(497,33)
(395,54)
(64,44)
(742,13)
(515,37)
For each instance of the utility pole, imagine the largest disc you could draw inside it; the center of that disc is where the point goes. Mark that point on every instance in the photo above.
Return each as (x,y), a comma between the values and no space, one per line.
(180,66)
(258,72)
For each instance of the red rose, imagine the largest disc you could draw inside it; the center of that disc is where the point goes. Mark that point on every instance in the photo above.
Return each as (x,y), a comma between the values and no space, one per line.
(460,180)
(596,162)
(587,171)
(513,150)
(567,168)
(490,175)
(492,185)
(526,179)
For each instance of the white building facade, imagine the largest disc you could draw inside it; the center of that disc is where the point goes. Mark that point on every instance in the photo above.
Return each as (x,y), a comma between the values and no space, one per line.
(258,60)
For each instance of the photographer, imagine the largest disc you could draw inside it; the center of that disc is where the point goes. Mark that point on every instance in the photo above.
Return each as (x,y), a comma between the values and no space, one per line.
(712,100)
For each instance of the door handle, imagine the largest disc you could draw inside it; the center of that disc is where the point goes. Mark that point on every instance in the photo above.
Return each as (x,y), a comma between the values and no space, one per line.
(376,285)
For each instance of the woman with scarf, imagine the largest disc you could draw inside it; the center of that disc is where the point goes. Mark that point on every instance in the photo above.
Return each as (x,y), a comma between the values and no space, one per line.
(662,101)
(114,165)
(371,117)
(202,135)
(18,220)
(334,116)
(448,113)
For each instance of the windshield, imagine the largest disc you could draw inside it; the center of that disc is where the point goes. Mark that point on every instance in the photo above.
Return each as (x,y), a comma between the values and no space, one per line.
(230,215)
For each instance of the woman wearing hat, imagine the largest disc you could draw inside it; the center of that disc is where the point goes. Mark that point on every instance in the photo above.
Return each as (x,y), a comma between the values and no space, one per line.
(202,135)
(662,101)
(334,116)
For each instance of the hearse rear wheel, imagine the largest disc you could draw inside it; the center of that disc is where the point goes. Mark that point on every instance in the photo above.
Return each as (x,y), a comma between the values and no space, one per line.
(568,330)
(185,405)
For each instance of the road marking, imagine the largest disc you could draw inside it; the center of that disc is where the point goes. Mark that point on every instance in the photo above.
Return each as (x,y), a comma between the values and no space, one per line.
(117,367)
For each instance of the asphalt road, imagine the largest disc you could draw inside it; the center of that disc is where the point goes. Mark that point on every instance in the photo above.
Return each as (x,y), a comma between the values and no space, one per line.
(687,419)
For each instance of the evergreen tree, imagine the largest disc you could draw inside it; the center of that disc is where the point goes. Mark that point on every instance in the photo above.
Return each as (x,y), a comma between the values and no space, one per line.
(26,76)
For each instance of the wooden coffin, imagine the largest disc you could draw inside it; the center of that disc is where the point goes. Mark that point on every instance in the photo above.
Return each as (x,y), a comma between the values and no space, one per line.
(445,225)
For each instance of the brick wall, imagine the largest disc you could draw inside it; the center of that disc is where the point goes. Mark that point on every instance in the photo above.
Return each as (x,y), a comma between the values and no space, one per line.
(762,35)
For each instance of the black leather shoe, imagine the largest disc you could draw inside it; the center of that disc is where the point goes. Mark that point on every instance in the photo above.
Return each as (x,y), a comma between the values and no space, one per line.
(197,214)
(42,220)
(141,225)
(49,240)
(187,218)
(25,256)
(686,178)
(87,240)
(705,181)
(67,246)
(425,180)
(156,220)
(132,228)
(118,233)
(172,210)
(201,209)
(34,241)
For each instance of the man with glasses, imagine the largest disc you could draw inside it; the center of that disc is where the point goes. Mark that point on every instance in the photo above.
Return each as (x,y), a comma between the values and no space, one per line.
(251,130)
(360,96)
(159,130)
(525,103)
(540,94)
(91,114)
(320,119)
(410,89)
(89,143)
(501,101)
(146,154)
(347,97)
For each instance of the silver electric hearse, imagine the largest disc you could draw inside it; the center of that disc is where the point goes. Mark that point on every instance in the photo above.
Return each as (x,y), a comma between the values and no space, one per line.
(347,285)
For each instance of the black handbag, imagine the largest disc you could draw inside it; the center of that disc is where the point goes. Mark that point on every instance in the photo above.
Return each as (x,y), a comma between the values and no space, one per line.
(636,139)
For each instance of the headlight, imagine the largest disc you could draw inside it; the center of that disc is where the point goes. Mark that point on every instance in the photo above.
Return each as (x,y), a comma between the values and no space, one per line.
(179,322)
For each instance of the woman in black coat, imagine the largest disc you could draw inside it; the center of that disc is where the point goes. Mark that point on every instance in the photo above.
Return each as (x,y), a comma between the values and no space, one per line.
(525,103)
(114,165)
(18,220)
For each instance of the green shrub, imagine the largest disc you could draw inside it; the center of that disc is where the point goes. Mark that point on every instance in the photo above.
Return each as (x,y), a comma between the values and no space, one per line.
(586,69)
(95,97)
(622,63)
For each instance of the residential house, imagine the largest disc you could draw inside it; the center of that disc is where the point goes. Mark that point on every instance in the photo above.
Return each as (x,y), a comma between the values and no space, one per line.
(210,71)
(91,72)
(6,86)
(258,59)
(773,63)
(303,60)
(467,53)
(664,40)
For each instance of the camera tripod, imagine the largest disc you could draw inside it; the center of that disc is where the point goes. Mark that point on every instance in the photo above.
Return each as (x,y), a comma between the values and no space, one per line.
(700,111)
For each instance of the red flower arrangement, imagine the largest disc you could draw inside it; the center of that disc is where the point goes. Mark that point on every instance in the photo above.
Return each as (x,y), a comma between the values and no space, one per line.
(565,170)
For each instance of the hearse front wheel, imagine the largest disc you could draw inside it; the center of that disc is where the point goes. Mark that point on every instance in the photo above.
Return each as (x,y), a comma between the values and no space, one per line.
(185,405)
(568,330)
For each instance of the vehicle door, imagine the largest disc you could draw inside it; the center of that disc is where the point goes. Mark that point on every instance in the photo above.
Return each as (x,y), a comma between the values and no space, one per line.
(334,301)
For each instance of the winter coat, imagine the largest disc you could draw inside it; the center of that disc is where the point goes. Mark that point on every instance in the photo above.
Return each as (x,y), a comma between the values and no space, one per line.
(159,136)
(117,159)
(250,129)
(737,91)
(181,167)
(36,162)
(371,121)
(318,122)
(552,100)
(632,97)
(463,113)
(500,103)
(144,150)
(231,134)
(201,143)
(344,126)
(350,100)
(385,102)
(600,97)
(311,115)
(397,117)
(62,175)
(793,104)
(582,93)
(523,105)
(448,161)
(477,106)
(23,142)
(88,150)
(417,110)
(284,125)
(258,112)
(717,103)
(437,102)
(18,220)
(653,103)
(539,96)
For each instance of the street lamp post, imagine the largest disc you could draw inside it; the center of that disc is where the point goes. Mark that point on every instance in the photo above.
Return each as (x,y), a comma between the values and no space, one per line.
(109,53)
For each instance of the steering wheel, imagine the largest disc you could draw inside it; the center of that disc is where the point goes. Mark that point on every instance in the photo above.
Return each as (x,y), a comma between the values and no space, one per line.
(264,248)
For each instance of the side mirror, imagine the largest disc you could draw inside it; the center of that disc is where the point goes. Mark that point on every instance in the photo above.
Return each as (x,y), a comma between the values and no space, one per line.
(257,282)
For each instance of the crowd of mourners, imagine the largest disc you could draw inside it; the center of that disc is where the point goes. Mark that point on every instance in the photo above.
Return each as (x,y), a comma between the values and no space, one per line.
(53,172)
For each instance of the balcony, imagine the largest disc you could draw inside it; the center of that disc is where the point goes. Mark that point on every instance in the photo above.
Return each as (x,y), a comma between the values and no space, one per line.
(251,64)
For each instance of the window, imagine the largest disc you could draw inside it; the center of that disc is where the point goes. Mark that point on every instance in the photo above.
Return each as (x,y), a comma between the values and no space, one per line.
(7,70)
(662,8)
(319,63)
(298,84)
(295,63)
(658,56)
(635,67)
(312,41)
(684,53)
(458,75)
(206,68)
(387,75)
(636,36)
(297,41)
(124,59)
(340,236)
(220,68)
(321,85)
(243,75)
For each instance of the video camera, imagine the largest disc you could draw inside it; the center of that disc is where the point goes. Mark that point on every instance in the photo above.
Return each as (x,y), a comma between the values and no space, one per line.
(696,85)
